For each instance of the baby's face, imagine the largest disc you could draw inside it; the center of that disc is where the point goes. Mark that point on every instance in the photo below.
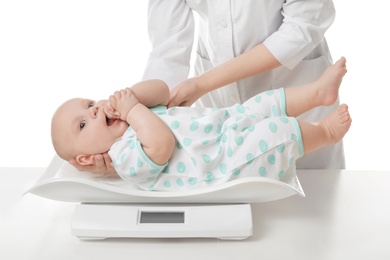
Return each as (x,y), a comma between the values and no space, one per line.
(80,126)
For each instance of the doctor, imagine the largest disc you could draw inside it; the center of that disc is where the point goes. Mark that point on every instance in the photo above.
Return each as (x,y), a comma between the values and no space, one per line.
(245,47)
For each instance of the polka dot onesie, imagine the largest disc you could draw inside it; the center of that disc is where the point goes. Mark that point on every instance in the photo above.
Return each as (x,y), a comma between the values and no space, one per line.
(216,145)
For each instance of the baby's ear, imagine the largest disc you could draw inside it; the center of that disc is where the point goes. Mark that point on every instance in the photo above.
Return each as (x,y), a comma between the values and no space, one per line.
(86,159)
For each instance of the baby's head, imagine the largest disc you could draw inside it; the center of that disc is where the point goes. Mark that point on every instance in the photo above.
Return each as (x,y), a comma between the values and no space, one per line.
(80,128)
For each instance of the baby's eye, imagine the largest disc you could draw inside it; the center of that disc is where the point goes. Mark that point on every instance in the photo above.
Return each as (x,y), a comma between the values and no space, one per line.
(91,104)
(82,125)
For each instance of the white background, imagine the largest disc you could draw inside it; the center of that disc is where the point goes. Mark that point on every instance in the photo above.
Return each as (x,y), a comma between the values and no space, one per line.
(52,50)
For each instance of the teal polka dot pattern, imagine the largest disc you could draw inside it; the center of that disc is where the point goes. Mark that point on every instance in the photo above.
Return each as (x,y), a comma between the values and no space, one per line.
(167,184)
(180,182)
(193,160)
(192,181)
(263,146)
(154,171)
(123,156)
(271,159)
(275,110)
(249,158)
(206,158)
(284,120)
(291,160)
(208,128)
(175,124)
(273,127)
(222,168)
(187,141)
(139,163)
(236,172)
(215,145)
(240,109)
(181,167)
(219,129)
(131,144)
(210,177)
(224,138)
(229,152)
(280,148)
(194,126)
(133,172)
(262,171)
(239,140)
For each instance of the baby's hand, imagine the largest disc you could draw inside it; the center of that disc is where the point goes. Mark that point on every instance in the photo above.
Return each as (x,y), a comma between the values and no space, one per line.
(119,104)
(110,111)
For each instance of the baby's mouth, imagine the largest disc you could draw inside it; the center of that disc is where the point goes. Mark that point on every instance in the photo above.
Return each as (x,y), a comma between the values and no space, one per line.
(110,121)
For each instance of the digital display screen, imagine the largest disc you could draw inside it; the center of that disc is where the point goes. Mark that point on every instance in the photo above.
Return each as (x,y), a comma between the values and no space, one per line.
(161,217)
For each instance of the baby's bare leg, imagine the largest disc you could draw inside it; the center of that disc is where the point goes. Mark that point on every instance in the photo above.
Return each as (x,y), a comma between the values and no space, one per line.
(329,131)
(322,92)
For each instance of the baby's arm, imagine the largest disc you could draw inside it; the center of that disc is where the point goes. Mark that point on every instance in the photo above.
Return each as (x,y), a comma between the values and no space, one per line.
(152,92)
(132,104)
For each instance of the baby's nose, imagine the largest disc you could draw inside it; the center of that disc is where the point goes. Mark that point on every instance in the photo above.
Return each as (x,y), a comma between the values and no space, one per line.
(93,111)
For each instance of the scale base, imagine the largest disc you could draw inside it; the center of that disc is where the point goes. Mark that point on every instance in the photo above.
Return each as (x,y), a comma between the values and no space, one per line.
(100,221)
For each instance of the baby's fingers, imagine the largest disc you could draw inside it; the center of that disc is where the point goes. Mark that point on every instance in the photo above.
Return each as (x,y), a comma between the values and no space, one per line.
(110,111)
(112,101)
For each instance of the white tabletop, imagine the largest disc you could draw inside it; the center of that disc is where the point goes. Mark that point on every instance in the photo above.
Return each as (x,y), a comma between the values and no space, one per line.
(345,215)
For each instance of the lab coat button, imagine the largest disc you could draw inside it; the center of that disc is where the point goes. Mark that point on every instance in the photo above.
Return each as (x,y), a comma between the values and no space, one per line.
(223,23)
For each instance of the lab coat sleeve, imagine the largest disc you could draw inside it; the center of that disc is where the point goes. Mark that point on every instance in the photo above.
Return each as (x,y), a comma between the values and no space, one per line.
(171,33)
(304,25)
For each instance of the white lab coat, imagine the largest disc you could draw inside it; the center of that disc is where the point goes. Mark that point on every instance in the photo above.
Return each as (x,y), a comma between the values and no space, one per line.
(293,31)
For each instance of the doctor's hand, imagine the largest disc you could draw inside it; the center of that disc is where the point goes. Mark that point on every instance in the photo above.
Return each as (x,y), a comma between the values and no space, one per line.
(186,93)
(103,165)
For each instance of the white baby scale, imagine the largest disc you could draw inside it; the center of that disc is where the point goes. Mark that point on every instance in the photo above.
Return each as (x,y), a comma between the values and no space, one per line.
(113,208)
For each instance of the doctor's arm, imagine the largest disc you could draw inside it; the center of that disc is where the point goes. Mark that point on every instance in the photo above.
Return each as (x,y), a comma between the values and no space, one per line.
(171,29)
(304,25)
(257,60)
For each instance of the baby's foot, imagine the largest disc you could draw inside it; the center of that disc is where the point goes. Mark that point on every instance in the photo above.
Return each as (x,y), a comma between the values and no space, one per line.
(337,124)
(329,83)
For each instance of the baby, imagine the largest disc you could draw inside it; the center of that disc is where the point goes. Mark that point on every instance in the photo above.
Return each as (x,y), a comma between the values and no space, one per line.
(181,148)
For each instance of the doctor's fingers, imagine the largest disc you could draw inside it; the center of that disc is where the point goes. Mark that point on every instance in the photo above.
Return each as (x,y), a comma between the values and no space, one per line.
(175,103)
(181,97)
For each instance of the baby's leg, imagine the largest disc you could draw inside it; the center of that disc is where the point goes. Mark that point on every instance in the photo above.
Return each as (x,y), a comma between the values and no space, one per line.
(322,92)
(329,131)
